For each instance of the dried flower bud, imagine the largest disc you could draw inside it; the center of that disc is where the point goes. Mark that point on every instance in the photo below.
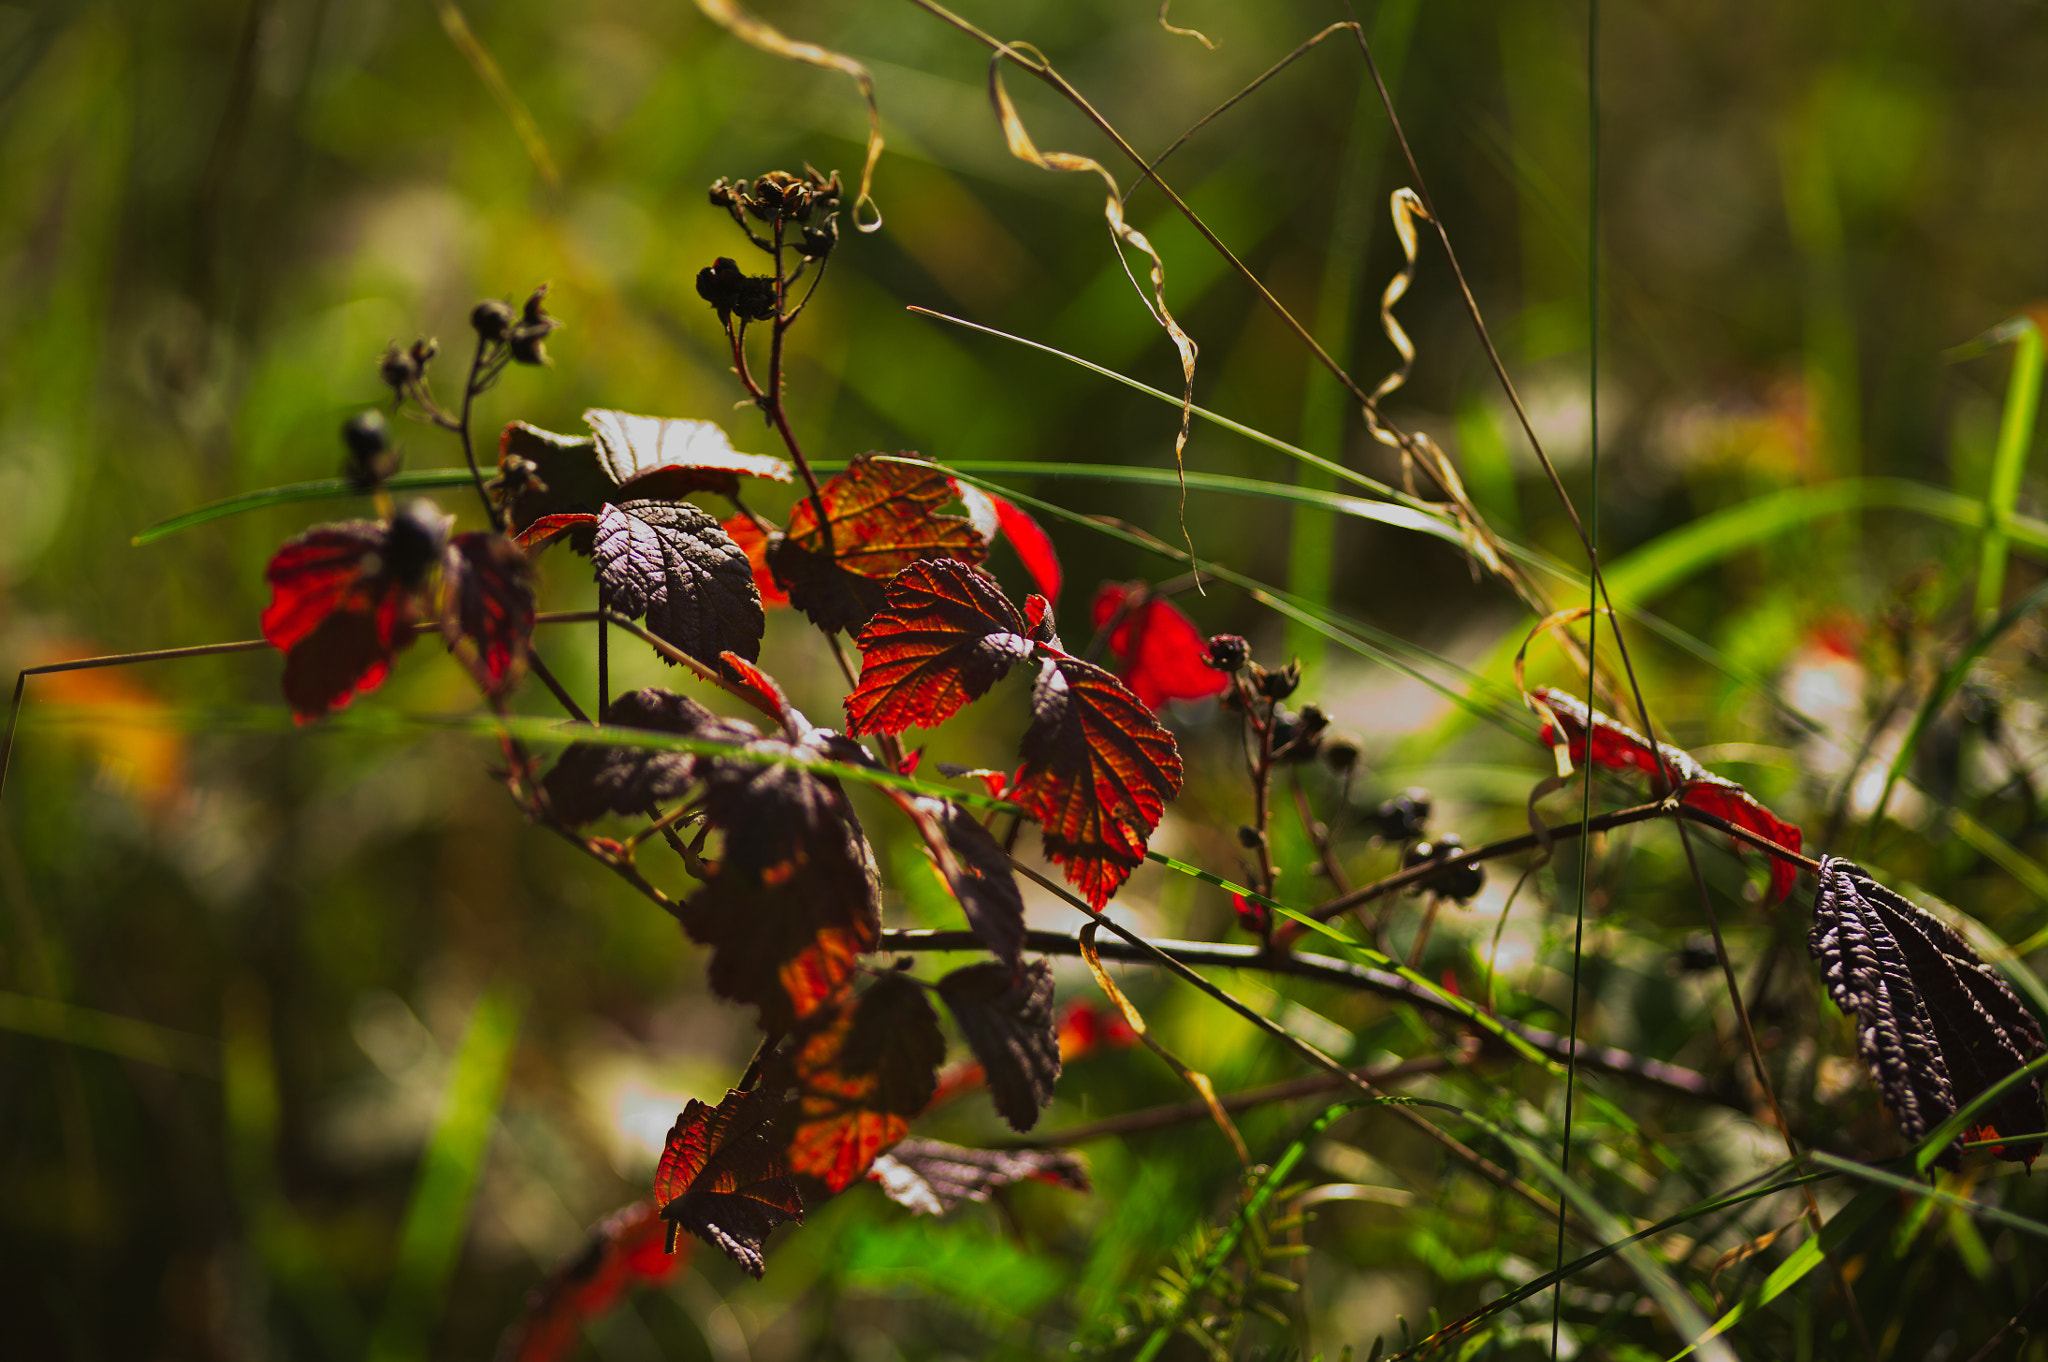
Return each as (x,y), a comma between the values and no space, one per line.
(729,291)
(1460,882)
(370,458)
(1277,685)
(418,534)
(722,193)
(516,478)
(1251,839)
(818,241)
(491,319)
(423,352)
(534,326)
(1403,816)
(1341,751)
(1303,736)
(398,369)
(1228,652)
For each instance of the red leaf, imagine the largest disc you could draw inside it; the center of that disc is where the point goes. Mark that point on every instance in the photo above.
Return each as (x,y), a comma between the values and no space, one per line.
(883,516)
(1007,1018)
(627,1249)
(1255,918)
(1160,654)
(343,600)
(859,1079)
(750,537)
(760,687)
(487,599)
(723,1178)
(1034,547)
(1619,747)
(931,1178)
(545,530)
(1097,772)
(945,634)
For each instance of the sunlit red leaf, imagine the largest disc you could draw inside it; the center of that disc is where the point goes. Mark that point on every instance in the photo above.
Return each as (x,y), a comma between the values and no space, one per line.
(759,685)
(1160,654)
(666,459)
(544,531)
(931,1178)
(1033,545)
(593,779)
(945,634)
(343,600)
(797,895)
(1934,1022)
(883,516)
(723,1177)
(1007,1017)
(487,601)
(628,1249)
(1619,747)
(753,542)
(1097,772)
(673,564)
(860,1078)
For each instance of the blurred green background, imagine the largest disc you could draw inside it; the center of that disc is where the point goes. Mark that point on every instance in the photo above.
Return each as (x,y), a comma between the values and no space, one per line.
(253,975)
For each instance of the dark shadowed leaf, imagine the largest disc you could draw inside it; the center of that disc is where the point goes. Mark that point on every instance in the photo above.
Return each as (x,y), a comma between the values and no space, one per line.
(568,478)
(1935,1023)
(628,1249)
(797,895)
(723,1176)
(1033,545)
(931,1178)
(487,601)
(592,779)
(860,1078)
(1007,1017)
(1098,770)
(882,516)
(1619,747)
(1159,652)
(977,870)
(945,634)
(666,459)
(674,565)
(343,600)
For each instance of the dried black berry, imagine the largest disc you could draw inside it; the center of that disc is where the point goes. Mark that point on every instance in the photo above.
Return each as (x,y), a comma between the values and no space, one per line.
(1228,652)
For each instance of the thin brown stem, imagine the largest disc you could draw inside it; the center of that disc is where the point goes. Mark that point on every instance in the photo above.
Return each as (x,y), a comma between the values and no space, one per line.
(471,386)
(1318,835)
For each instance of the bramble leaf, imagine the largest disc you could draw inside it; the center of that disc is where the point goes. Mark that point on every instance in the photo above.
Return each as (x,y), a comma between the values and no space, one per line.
(1160,654)
(723,1177)
(977,870)
(627,1249)
(593,779)
(930,1177)
(797,895)
(670,562)
(568,478)
(1007,1017)
(1619,747)
(1934,1022)
(1097,772)
(882,516)
(946,634)
(1033,545)
(666,459)
(343,600)
(753,542)
(860,1078)
(487,598)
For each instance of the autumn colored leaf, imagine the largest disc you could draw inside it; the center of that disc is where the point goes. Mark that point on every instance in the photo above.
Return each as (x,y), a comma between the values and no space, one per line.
(544,531)
(590,780)
(487,600)
(753,542)
(666,459)
(929,1177)
(945,634)
(1619,747)
(1160,654)
(723,1176)
(1934,1022)
(1097,772)
(343,600)
(1033,545)
(977,870)
(796,899)
(1007,1017)
(628,1249)
(860,1078)
(671,563)
(882,516)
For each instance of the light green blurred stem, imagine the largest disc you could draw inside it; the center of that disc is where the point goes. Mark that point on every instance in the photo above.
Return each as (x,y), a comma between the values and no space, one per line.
(437,1218)
(2015,438)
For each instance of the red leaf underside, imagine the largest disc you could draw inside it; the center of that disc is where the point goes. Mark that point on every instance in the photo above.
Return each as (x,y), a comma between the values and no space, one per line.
(1033,545)
(628,1249)
(342,602)
(723,1176)
(487,600)
(860,1078)
(753,541)
(1160,654)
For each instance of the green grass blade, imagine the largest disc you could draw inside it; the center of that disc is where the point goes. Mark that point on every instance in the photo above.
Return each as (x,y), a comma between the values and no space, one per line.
(1810,1254)
(2009,463)
(1889,1184)
(437,1218)
(326,489)
(1945,1134)
(108,1032)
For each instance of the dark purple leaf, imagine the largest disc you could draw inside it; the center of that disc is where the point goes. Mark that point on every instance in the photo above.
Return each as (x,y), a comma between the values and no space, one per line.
(1008,1020)
(723,1177)
(593,779)
(931,1178)
(977,870)
(674,564)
